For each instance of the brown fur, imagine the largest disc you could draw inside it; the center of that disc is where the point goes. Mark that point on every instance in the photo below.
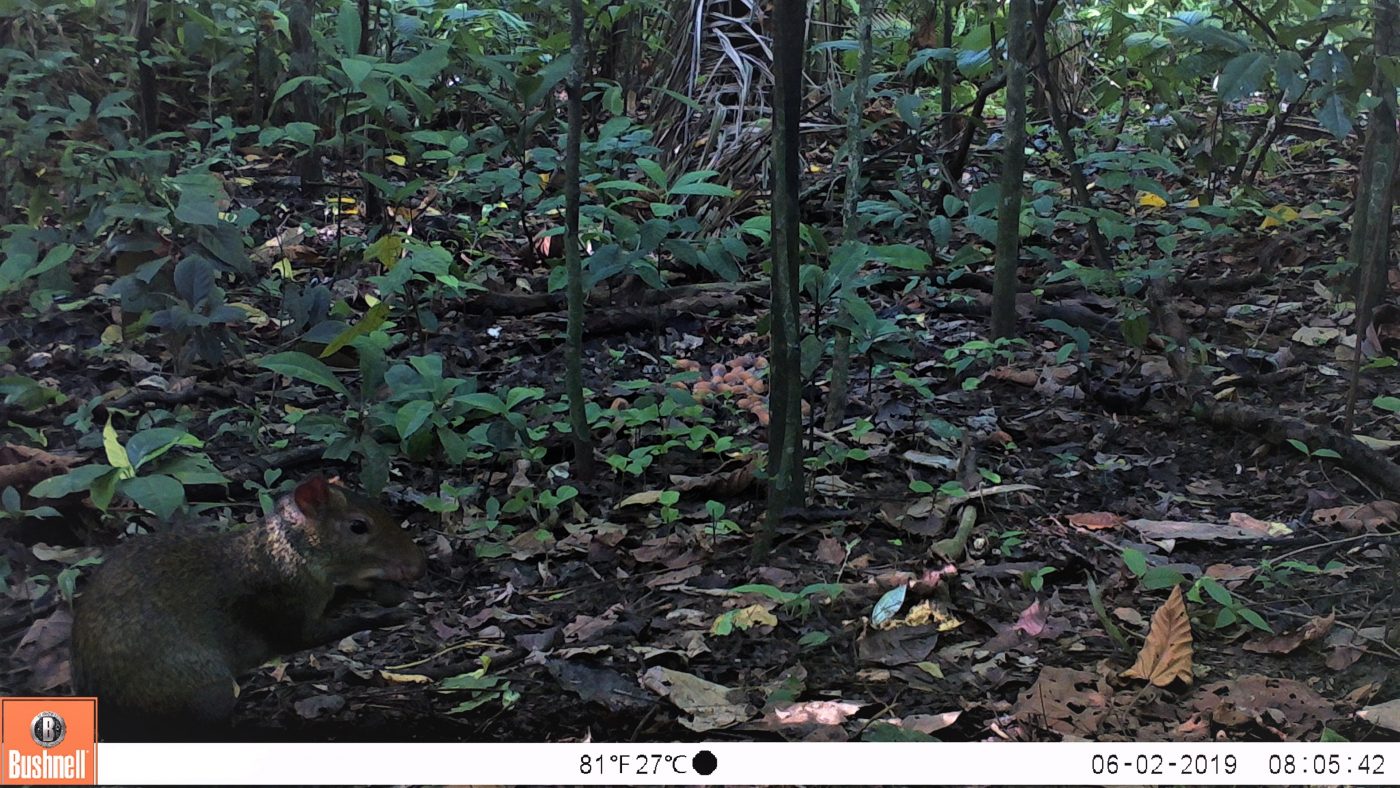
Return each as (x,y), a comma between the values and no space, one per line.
(169,622)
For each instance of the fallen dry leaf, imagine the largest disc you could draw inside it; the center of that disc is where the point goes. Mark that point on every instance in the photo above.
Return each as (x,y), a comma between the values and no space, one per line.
(1287,642)
(1166,656)
(1096,521)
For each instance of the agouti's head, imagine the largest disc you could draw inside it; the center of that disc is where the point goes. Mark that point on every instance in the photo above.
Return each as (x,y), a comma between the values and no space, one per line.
(354,539)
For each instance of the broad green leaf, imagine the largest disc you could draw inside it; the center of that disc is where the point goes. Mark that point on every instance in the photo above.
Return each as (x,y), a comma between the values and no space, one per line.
(356,70)
(653,171)
(905,256)
(1332,114)
(347,28)
(484,401)
(411,417)
(147,445)
(78,480)
(1135,561)
(1390,404)
(161,494)
(1159,577)
(300,366)
(372,320)
(1243,74)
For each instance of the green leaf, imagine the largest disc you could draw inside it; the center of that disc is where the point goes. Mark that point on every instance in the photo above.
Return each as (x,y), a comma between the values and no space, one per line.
(1390,404)
(1329,735)
(653,171)
(104,488)
(161,494)
(299,366)
(294,83)
(889,604)
(192,469)
(812,639)
(484,401)
(701,189)
(116,452)
(148,445)
(772,592)
(372,320)
(1332,114)
(1328,453)
(905,256)
(1159,577)
(1243,74)
(724,625)
(1218,592)
(356,70)
(1254,619)
(1225,617)
(79,479)
(347,28)
(1300,446)
(200,197)
(1135,561)
(411,417)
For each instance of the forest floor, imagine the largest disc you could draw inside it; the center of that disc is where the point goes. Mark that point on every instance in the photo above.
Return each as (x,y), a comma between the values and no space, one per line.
(609,619)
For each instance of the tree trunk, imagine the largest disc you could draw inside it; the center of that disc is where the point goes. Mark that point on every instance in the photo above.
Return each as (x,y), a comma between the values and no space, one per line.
(855,144)
(788,24)
(1013,167)
(573,260)
(1375,191)
(301,14)
(145,72)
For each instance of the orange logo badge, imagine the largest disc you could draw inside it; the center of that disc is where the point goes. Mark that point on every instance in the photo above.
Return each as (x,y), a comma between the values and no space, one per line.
(48,741)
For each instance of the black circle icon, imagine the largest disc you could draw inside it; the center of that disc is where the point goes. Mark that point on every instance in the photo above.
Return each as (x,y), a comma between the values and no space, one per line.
(704,763)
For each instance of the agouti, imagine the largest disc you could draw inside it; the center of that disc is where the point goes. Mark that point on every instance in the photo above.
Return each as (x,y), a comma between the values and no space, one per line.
(170,621)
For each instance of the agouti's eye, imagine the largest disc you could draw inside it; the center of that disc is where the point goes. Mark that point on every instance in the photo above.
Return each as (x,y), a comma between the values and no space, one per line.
(359,527)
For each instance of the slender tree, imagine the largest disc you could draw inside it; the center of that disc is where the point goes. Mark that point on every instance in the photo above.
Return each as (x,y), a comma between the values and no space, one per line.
(1062,118)
(305,105)
(1375,190)
(855,145)
(1012,168)
(573,260)
(789,26)
(149,101)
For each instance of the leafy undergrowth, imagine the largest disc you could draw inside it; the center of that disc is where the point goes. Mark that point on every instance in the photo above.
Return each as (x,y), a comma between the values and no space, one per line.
(627,608)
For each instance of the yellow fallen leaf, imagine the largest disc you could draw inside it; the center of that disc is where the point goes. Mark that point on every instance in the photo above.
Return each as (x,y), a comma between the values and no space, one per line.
(1278,216)
(284,267)
(112,335)
(398,160)
(404,678)
(1150,200)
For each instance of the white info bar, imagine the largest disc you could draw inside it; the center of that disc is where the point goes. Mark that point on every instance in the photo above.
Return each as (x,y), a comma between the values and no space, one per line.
(749,763)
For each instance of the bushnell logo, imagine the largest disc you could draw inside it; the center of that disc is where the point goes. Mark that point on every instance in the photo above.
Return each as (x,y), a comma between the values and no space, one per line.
(48,741)
(47,729)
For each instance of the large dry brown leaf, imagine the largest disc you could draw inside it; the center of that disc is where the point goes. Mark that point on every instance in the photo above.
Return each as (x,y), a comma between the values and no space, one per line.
(1166,656)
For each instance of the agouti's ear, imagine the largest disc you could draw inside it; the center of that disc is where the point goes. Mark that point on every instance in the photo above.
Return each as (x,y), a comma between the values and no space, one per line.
(311,495)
